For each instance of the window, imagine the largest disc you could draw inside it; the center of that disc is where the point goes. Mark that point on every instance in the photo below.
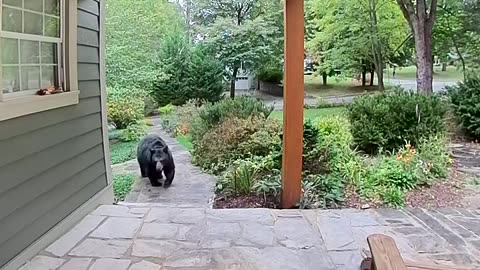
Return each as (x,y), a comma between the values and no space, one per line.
(36,52)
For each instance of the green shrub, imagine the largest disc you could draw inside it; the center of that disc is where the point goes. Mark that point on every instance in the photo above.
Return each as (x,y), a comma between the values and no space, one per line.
(178,120)
(236,138)
(393,197)
(213,114)
(151,106)
(434,155)
(465,98)
(191,72)
(320,191)
(271,72)
(124,107)
(388,120)
(122,185)
(240,179)
(134,133)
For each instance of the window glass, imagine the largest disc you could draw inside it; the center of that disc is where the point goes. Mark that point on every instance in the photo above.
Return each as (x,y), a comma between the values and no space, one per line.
(10,80)
(15,3)
(33,23)
(35,5)
(30,78)
(52,26)
(29,52)
(49,51)
(9,51)
(11,20)
(52,7)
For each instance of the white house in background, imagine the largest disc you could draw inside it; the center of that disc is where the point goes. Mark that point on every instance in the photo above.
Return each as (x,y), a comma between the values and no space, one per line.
(245,80)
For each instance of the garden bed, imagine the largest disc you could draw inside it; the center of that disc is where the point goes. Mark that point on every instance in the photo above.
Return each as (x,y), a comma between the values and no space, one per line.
(346,163)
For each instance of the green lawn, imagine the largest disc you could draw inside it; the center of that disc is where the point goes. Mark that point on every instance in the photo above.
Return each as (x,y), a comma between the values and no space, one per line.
(335,87)
(409,73)
(313,113)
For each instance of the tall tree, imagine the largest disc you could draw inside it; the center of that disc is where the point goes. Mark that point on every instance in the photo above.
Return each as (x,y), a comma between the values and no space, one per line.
(133,31)
(241,33)
(421,19)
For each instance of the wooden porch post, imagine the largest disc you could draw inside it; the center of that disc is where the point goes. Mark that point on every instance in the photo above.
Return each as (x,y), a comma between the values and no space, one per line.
(293,104)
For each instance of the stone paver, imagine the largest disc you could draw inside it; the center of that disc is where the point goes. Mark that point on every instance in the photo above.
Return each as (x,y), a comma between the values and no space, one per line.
(110,264)
(77,264)
(262,239)
(190,185)
(118,228)
(72,238)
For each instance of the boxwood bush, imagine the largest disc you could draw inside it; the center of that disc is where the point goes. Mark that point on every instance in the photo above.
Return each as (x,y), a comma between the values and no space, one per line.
(389,120)
(465,98)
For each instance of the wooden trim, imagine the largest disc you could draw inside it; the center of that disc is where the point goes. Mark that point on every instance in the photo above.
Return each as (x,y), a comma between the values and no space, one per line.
(1,80)
(104,196)
(103,95)
(13,108)
(71,54)
(293,104)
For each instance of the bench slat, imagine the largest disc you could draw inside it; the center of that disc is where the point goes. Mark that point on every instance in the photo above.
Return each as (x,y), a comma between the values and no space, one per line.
(385,253)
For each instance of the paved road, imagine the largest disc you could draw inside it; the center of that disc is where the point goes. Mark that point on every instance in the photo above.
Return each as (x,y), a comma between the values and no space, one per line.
(277,102)
(412,84)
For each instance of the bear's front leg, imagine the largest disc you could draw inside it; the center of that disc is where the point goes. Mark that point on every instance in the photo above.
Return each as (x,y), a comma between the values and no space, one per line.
(169,177)
(154,181)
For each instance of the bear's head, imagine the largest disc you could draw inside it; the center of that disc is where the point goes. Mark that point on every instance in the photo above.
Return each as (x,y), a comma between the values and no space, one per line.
(159,157)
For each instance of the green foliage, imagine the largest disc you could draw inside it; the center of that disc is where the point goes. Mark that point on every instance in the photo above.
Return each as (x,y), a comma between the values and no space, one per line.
(271,72)
(167,109)
(242,33)
(241,107)
(388,120)
(240,180)
(124,107)
(178,121)
(122,151)
(341,33)
(236,138)
(465,98)
(185,141)
(434,156)
(122,185)
(190,72)
(133,32)
(134,133)
(320,191)
(393,197)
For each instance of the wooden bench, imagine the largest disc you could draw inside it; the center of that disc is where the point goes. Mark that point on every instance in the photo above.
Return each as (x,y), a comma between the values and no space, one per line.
(386,256)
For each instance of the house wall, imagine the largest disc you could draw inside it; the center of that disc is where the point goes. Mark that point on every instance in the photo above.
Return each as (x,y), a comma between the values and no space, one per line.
(53,162)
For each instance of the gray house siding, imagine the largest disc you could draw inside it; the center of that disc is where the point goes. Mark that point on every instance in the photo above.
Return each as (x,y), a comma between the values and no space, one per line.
(53,162)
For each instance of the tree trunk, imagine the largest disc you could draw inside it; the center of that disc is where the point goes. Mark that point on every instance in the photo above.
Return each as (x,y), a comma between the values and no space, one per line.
(444,66)
(372,76)
(325,78)
(421,20)
(423,46)
(376,45)
(364,76)
(233,81)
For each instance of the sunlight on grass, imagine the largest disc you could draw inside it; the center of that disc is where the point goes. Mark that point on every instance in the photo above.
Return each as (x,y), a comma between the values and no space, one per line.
(313,113)
(336,87)
(185,141)
(409,73)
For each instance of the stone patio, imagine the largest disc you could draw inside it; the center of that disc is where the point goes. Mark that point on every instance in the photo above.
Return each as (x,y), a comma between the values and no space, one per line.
(157,236)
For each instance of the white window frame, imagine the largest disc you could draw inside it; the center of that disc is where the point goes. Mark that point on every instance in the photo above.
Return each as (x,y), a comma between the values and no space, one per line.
(27,102)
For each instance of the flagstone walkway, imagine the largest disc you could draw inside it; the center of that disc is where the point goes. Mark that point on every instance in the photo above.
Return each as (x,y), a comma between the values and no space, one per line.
(157,236)
(190,186)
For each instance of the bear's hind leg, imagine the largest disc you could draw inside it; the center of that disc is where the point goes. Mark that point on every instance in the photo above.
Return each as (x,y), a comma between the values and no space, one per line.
(143,171)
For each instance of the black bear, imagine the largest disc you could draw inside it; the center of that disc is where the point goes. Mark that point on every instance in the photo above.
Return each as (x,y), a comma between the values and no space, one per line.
(154,157)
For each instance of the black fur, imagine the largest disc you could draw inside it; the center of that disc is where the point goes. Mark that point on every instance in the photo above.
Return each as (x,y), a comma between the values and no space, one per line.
(154,157)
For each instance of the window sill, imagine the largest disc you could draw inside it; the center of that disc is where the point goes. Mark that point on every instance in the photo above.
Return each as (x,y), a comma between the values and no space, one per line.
(16,107)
